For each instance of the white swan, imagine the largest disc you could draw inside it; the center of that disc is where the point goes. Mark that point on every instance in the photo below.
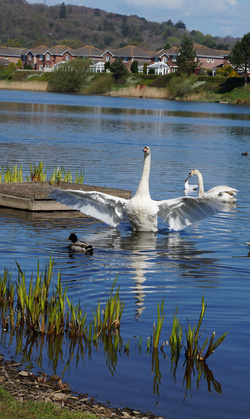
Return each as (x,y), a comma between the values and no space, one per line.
(141,211)
(189,187)
(223,193)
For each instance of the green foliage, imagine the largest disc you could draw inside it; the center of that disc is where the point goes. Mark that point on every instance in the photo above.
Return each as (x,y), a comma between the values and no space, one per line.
(180,86)
(134,67)
(157,329)
(186,57)
(38,173)
(63,11)
(118,70)
(55,24)
(6,73)
(69,77)
(100,85)
(240,55)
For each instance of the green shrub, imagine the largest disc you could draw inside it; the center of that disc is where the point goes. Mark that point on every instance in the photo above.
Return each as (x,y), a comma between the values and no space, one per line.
(100,85)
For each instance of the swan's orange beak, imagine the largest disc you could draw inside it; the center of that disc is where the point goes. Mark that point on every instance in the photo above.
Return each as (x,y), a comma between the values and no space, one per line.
(145,149)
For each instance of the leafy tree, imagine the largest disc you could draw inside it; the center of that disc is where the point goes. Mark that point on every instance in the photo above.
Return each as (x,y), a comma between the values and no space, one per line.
(118,69)
(63,11)
(186,58)
(7,72)
(209,41)
(167,45)
(69,77)
(134,67)
(180,25)
(240,55)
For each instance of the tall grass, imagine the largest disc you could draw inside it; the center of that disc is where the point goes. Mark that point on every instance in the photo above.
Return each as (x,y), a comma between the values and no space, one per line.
(29,85)
(39,173)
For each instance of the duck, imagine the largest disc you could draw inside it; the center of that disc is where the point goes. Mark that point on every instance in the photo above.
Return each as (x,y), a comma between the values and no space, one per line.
(78,245)
(245,153)
(141,211)
(223,193)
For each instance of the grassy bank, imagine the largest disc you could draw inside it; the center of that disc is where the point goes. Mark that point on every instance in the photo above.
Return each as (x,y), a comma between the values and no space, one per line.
(193,88)
(11,407)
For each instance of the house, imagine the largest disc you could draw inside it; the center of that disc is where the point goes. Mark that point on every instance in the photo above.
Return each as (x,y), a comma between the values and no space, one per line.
(208,58)
(11,54)
(44,58)
(163,62)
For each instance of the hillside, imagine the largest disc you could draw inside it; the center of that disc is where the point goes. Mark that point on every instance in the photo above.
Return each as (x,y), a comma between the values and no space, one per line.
(29,25)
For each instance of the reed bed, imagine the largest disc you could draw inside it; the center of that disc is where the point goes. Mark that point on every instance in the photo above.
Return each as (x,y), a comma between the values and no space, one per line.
(145,92)
(37,86)
(41,313)
(39,173)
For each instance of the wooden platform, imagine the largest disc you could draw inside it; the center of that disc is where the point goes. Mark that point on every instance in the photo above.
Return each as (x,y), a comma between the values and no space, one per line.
(34,196)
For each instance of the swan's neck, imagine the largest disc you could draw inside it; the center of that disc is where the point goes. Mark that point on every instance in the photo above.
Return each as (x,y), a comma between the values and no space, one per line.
(143,188)
(200,183)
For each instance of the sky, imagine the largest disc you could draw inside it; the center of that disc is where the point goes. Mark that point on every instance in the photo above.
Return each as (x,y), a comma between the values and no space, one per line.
(215,17)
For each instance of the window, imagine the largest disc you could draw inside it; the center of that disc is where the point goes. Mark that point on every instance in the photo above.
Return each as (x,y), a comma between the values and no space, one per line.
(164,59)
(208,60)
(107,58)
(67,57)
(125,59)
(47,56)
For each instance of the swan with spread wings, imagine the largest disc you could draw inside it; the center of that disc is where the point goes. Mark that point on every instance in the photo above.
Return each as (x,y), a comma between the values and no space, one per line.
(141,211)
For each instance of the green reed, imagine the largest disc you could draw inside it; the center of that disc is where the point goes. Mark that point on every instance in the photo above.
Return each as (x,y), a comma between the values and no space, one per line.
(109,319)
(11,174)
(39,173)
(176,335)
(193,350)
(42,311)
(157,328)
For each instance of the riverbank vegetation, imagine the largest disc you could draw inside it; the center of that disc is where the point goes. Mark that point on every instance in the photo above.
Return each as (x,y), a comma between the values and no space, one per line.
(39,173)
(226,86)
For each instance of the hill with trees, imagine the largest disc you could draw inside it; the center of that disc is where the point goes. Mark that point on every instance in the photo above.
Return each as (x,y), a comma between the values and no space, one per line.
(29,25)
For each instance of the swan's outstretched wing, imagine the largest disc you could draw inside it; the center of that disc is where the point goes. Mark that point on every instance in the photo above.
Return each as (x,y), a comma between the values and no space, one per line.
(181,212)
(104,207)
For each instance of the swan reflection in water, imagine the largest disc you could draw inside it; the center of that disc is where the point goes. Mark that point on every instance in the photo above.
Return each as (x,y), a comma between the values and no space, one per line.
(148,256)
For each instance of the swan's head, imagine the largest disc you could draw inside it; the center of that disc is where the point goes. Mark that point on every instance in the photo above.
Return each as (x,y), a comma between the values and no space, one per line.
(192,173)
(73,237)
(146,151)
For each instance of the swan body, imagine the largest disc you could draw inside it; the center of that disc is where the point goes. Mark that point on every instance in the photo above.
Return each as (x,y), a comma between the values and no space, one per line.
(78,245)
(141,211)
(223,193)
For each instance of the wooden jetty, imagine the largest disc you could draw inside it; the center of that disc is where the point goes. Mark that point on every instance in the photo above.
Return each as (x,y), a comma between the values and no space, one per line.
(34,196)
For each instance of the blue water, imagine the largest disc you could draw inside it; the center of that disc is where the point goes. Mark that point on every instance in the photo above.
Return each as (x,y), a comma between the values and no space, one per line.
(104,136)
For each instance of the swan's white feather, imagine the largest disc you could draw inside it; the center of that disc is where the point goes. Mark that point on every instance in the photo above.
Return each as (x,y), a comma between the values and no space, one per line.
(181,212)
(104,207)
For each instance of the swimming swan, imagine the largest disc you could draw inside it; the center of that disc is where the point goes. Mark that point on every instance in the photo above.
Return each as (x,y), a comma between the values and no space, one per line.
(189,187)
(79,245)
(223,193)
(141,211)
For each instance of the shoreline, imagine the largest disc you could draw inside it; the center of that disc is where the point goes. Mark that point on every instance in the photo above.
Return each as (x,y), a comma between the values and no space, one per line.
(130,92)
(26,386)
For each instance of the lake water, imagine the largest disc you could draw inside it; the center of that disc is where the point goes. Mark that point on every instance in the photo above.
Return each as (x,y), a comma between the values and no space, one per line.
(105,137)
